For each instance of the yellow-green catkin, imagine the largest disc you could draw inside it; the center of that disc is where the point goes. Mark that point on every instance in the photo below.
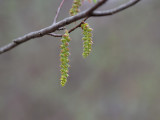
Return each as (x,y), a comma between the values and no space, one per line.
(64,58)
(75,7)
(87,39)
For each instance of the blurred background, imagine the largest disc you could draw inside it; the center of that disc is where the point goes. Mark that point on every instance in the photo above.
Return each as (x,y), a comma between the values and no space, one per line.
(118,81)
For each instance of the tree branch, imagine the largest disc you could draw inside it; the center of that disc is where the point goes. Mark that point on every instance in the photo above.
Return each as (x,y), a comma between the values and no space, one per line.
(115,10)
(52,28)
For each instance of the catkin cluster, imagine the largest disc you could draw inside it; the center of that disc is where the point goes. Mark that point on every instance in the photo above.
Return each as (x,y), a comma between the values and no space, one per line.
(87,39)
(64,57)
(87,43)
(75,7)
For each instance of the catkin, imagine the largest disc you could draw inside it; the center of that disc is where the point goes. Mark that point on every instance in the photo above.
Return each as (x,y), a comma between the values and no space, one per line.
(87,39)
(64,58)
(75,7)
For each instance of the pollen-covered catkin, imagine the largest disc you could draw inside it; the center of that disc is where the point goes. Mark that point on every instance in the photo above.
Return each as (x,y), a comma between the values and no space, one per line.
(87,39)
(75,7)
(64,58)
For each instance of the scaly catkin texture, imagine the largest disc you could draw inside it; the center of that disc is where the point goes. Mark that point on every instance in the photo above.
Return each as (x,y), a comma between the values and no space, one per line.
(87,39)
(64,58)
(75,7)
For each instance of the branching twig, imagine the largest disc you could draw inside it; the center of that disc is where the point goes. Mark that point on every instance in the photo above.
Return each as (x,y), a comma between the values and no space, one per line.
(85,14)
(115,10)
(78,25)
(58,10)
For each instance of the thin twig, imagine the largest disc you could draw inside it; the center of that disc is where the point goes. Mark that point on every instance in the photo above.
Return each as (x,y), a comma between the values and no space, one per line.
(115,10)
(79,25)
(57,13)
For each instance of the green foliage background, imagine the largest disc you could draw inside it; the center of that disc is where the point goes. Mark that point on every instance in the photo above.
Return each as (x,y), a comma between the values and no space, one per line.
(118,81)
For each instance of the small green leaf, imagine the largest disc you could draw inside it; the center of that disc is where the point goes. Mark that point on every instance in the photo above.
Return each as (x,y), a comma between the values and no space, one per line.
(94,1)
